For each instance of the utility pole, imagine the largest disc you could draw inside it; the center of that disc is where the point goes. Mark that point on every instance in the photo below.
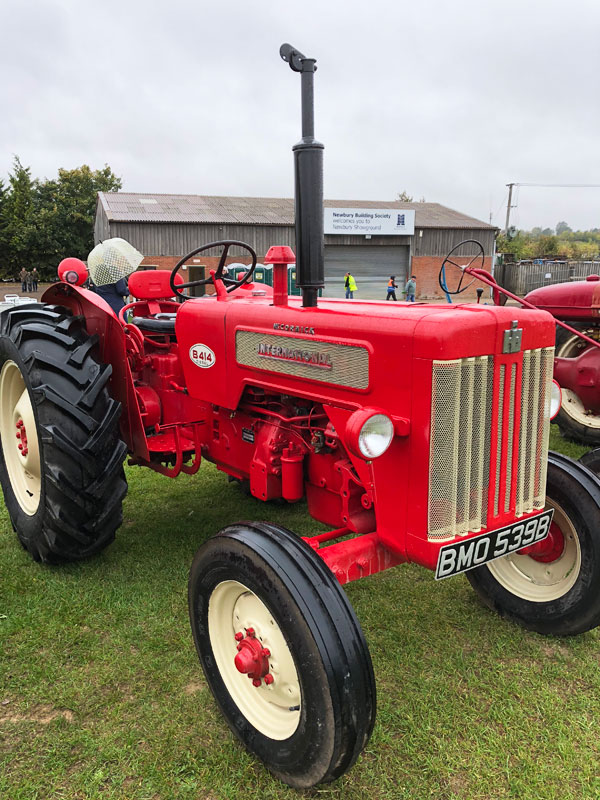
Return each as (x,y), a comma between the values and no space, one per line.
(508,207)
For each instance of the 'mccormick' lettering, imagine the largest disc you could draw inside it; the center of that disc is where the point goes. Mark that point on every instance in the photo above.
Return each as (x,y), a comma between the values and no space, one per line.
(280,326)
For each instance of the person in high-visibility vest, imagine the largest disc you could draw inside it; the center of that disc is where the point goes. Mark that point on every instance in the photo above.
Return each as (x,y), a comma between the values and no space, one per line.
(391,288)
(350,285)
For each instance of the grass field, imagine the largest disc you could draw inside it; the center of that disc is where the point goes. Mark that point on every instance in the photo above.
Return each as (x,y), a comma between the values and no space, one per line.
(102,696)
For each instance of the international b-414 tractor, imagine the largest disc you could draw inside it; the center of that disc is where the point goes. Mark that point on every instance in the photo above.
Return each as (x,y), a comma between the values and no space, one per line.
(417,433)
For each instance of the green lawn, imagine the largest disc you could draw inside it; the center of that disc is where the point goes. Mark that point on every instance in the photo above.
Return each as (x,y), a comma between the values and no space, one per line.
(101,694)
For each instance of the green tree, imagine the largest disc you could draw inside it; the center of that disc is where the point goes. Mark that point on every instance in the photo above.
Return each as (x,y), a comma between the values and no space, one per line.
(405,197)
(562,227)
(4,250)
(17,222)
(67,206)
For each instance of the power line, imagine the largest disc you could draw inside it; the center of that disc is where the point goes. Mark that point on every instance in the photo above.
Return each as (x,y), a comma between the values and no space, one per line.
(545,186)
(560,185)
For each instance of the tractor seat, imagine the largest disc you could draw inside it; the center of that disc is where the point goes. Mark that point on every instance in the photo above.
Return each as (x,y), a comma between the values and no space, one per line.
(153,310)
(160,323)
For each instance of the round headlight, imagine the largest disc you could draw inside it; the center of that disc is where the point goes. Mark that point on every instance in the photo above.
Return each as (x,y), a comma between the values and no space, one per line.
(555,399)
(375,436)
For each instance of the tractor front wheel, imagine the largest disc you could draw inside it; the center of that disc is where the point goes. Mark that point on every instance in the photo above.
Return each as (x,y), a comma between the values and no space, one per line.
(282,651)
(61,459)
(553,590)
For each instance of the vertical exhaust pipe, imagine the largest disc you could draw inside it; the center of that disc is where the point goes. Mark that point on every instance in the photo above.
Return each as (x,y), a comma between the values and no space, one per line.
(308,174)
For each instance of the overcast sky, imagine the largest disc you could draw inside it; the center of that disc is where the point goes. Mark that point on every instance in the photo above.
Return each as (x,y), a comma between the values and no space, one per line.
(447,100)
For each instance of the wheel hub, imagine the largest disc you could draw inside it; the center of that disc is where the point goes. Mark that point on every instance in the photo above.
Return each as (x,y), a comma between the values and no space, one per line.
(549,549)
(22,435)
(252,658)
(247,641)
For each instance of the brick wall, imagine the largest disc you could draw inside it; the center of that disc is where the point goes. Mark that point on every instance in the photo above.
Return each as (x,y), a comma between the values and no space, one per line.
(427,268)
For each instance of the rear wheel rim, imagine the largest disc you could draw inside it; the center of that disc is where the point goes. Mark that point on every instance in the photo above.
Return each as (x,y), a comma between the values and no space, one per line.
(537,581)
(273,709)
(571,404)
(20,444)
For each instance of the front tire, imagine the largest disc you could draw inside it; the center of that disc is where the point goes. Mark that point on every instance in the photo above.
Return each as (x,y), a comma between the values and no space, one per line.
(307,708)
(554,590)
(61,459)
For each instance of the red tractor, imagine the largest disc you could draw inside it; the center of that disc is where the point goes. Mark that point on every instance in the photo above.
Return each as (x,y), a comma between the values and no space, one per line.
(417,433)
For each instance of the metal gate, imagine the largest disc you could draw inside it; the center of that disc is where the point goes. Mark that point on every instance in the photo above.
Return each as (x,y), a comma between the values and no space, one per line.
(370,265)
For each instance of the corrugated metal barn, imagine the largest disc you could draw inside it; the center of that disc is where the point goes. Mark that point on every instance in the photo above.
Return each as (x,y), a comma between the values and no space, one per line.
(165,227)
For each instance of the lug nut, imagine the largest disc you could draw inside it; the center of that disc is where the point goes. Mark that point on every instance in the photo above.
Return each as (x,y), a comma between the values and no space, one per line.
(20,447)
(18,435)
(20,423)
(239,647)
(256,682)
(250,632)
(239,636)
(269,679)
(265,653)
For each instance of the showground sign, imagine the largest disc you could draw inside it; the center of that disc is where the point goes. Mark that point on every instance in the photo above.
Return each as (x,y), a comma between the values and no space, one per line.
(373,221)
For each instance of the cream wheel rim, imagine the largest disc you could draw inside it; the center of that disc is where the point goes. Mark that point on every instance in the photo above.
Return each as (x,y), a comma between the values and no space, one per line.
(571,404)
(274,708)
(574,408)
(542,582)
(20,443)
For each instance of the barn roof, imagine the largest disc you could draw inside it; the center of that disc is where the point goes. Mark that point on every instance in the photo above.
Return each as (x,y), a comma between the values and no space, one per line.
(193,208)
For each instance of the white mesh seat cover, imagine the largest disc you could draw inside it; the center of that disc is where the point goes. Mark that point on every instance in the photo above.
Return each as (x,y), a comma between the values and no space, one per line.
(112,260)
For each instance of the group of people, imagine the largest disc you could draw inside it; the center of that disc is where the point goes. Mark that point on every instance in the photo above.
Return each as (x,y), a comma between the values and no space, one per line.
(409,290)
(29,280)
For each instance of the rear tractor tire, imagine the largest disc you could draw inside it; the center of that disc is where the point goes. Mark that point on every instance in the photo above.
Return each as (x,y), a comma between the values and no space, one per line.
(282,652)
(553,590)
(574,421)
(61,458)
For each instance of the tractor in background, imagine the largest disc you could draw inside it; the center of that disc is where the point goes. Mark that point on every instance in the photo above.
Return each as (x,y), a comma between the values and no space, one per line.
(576,308)
(443,462)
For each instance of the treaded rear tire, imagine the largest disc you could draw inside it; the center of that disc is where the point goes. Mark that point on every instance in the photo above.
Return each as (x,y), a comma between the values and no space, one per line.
(82,483)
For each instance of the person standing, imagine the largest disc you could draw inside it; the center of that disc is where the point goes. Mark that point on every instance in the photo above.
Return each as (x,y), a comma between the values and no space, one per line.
(23,279)
(391,288)
(28,280)
(410,289)
(350,285)
(34,279)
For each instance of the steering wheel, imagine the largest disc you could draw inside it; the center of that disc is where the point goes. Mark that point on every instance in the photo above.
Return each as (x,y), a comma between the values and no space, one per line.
(442,273)
(231,283)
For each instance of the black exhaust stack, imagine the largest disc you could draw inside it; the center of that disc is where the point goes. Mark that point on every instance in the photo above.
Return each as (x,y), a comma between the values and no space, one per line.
(308,172)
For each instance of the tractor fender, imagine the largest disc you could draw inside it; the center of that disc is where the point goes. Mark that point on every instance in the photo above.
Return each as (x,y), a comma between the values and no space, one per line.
(101,320)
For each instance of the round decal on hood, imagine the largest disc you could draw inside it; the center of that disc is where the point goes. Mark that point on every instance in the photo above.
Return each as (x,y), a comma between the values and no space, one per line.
(202,355)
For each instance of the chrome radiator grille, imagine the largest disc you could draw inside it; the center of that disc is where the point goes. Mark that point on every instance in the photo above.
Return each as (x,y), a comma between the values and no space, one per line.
(462,432)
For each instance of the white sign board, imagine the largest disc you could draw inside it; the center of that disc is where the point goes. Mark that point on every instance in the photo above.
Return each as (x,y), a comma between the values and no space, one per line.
(372,221)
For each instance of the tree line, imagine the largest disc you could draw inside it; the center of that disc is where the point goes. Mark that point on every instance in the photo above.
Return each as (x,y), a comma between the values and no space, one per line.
(559,243)
(45,220)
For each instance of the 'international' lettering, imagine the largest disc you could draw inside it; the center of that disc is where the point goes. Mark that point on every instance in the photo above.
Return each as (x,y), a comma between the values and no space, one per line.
(311,359)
